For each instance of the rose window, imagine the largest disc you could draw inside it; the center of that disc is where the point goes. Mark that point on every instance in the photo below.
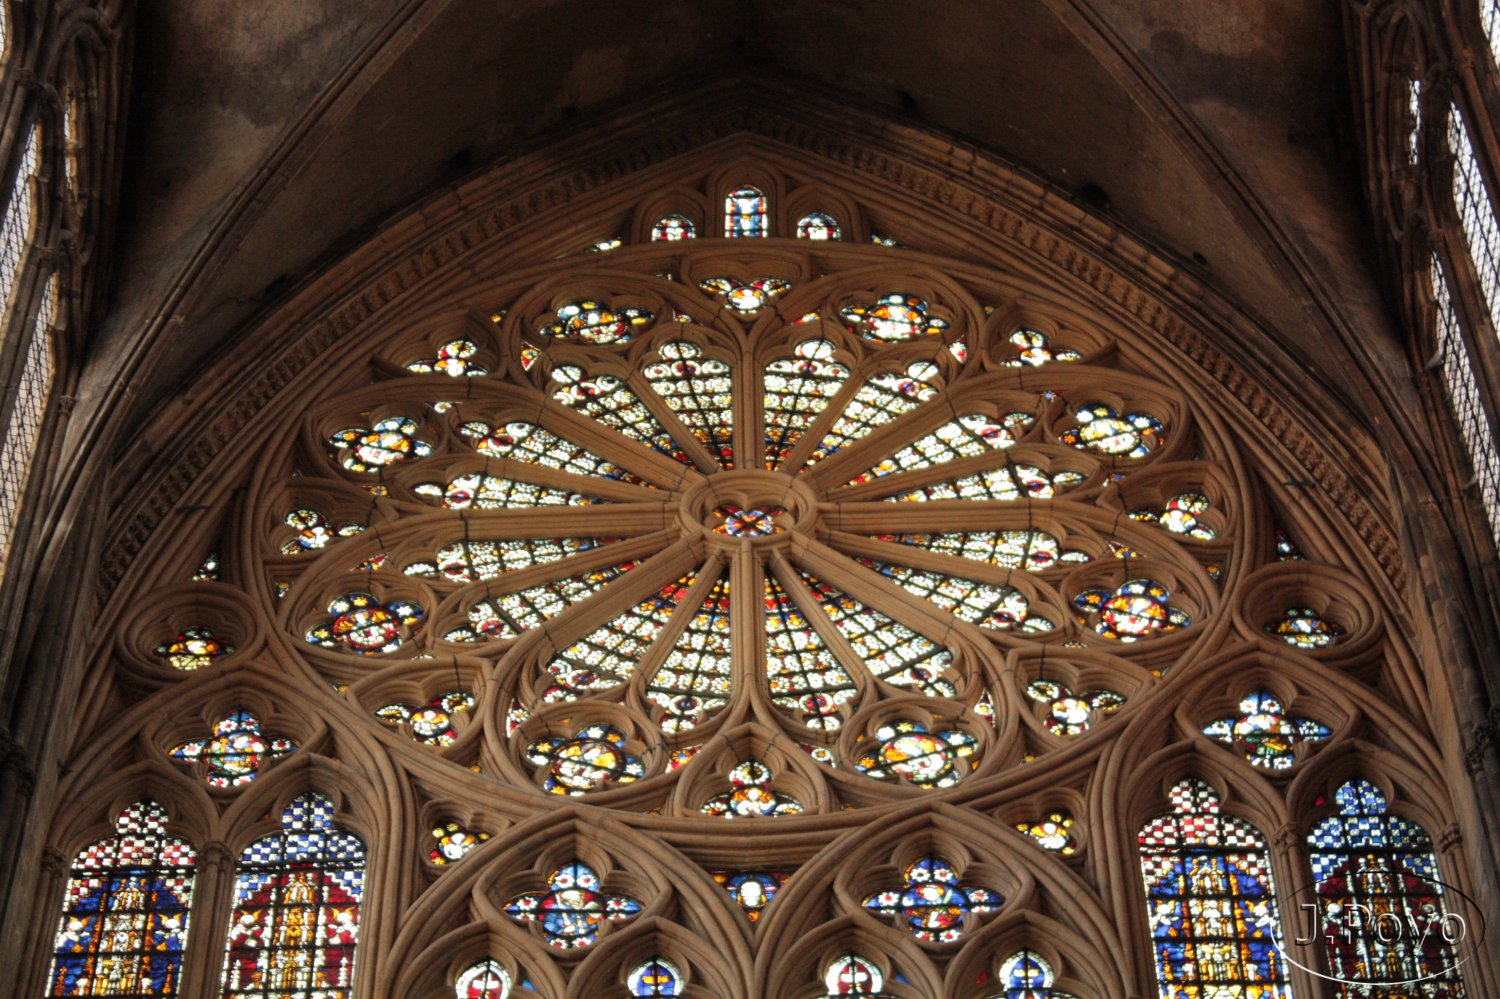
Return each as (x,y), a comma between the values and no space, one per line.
(652,528)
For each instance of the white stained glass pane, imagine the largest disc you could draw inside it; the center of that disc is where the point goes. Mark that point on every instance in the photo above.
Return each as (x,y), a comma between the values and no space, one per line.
(1490,12)
(1475,213)
(1463,393)
(1414,108)
(15,227)
(25,427)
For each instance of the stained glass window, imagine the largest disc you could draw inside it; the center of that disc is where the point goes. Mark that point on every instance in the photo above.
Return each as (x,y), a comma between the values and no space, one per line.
(1053,833)
(747,297)
(1475,214)
(456,358)
(656,977)
(797,390)
(699,390)
(508,615)
(1464,396)
(965,437)
(1101,428)
(1375,871)
(606,657)
(987,605)
(1180,515)
(486,980)
(752,891)
(208,570)
(932,905)
(1132,611)
(1414,123)
(1210,901)
(695,679)
(312,531)
(670,228)
(751,795)
(609,401)
(819,225)
(574,908)
(466,561)
(1011,482)
(295,924)
(235,752)
(24,431)
(588,320)
(893,318)
(454,841)
(1027,975)
(1069,713)
(15,226)
(593,759)
(495,492)
(852,975)
(1264,733)
(804,677)
(567,585)
(904,749)
(362,624)
(1304,628)
(388,442)
(879,400)
(889,649)
(1030,550)
(523,441)
(430,724)
(125,911)
(194,649)
(1035,348)
(745,213)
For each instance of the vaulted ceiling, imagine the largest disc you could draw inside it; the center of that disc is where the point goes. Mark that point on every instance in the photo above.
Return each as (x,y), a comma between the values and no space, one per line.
(266,138)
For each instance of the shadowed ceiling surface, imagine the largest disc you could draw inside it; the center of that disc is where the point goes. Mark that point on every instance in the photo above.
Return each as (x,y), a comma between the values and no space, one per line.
(265,139)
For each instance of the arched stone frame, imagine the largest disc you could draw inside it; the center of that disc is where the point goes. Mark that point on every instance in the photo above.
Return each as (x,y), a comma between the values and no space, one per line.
(64,74)
(1329,530)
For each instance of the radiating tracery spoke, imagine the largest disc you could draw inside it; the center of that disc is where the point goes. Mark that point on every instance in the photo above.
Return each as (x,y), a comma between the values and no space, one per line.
(964,437)
(696,677)
(606,656)
(878,401)
(797,390)
(804,676)
(523,441)
(889,650)
(698,389)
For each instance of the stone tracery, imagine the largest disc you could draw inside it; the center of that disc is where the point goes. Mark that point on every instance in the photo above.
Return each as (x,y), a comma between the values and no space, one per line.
(655,536)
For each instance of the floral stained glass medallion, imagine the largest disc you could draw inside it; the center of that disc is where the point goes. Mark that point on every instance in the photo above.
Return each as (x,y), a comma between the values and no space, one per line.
(574,908)
(932,904)
(235,752)
(1264,733)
